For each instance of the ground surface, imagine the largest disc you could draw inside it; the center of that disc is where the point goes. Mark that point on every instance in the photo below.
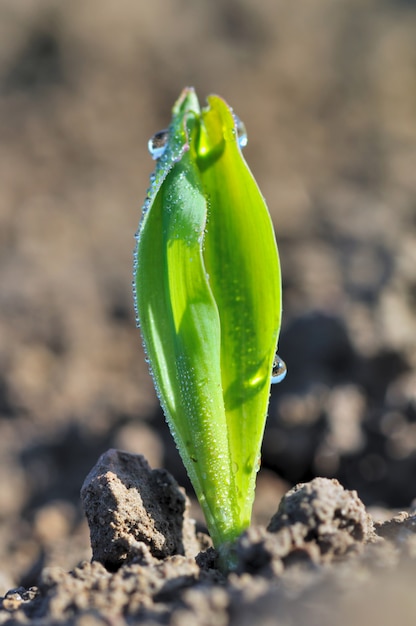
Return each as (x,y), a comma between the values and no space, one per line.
(328,93)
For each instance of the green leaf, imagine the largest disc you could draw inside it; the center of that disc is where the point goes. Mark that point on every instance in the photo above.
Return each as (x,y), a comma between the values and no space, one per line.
(241,259)
(208,299)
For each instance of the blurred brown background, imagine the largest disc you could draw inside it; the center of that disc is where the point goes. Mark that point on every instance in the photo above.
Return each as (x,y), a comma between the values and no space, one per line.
(327,89)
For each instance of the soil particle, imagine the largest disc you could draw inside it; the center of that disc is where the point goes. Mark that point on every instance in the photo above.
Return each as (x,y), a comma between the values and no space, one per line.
(14,598)
(400,530)
(134,512)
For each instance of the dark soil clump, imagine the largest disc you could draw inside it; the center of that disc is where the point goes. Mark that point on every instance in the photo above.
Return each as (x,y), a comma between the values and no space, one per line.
(134,512)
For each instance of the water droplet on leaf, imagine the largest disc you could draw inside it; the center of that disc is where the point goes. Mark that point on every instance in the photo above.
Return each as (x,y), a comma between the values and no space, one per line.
(241,132)
(279,370)
(157,144)
(258,464)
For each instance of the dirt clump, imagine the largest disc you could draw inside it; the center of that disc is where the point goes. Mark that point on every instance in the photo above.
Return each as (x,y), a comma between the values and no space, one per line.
(135,512)
(322,511)
(316,523)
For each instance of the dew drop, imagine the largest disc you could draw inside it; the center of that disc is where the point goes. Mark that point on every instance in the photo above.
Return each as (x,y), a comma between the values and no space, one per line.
(157,144)
(241,132)
(279,370)
(258,464)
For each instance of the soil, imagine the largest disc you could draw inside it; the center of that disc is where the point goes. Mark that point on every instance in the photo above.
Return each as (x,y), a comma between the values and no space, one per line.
(150,567)
(328,94)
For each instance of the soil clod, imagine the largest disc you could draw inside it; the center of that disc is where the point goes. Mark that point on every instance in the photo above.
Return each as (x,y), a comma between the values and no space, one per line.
(325,513)
(135,513)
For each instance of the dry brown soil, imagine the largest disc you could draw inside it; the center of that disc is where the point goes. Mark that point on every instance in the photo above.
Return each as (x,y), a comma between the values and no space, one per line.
(327,90)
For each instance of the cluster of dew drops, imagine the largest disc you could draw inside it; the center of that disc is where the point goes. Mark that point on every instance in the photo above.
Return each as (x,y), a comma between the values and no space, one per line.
(157,145)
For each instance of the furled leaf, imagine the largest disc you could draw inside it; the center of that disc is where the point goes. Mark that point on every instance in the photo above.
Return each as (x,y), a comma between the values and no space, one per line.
(208,300)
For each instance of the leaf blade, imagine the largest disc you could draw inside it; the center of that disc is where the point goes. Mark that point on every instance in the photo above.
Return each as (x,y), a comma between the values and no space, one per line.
(181,332)
(242,261)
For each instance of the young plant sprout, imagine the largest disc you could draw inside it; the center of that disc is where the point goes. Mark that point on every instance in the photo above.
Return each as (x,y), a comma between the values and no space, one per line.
(207,291)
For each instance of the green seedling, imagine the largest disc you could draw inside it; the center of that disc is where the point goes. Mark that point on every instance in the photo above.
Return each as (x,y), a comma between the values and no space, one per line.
(207,292)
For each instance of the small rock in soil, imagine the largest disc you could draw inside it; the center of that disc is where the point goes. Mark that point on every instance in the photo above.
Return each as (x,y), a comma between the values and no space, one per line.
(134,512)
